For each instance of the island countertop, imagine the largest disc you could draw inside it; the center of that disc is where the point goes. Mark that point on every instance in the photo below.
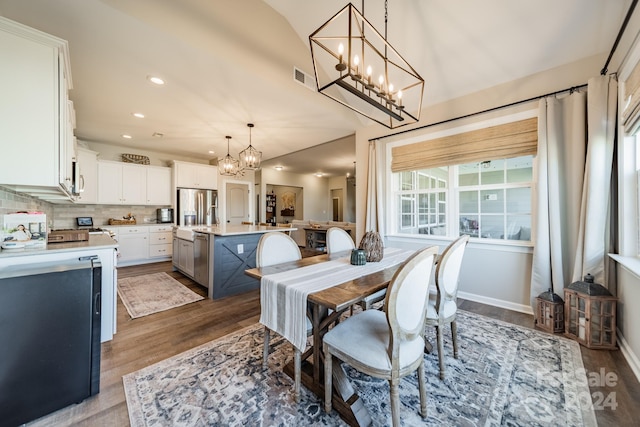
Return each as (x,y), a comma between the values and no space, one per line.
(235,230)
(96,241)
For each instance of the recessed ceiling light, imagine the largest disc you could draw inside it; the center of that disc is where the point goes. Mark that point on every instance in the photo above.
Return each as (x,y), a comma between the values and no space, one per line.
(319,174)
(212,152)
(279,168)
(138,115)
(125,136)
(155,80)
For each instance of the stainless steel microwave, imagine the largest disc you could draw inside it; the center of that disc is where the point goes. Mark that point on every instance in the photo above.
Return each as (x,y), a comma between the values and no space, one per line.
(164,215)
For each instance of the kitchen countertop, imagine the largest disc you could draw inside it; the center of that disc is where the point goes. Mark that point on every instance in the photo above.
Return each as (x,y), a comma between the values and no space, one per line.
(234,230)
(140,224)
(96,241)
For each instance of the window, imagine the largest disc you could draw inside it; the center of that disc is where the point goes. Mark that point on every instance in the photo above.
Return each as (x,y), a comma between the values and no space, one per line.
(492,200)
(421,199)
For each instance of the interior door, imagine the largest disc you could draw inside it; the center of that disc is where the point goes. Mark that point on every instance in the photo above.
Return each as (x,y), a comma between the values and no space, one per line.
(237,195)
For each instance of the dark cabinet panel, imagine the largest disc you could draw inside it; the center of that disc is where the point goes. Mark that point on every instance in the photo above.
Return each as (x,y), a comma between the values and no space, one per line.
(232,255)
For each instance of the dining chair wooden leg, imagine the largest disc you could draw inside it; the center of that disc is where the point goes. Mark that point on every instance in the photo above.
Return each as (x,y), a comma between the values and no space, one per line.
(454,338)
(423,390)
(265,350)
(297,373)
(395,402)
(440,350)
(328,365)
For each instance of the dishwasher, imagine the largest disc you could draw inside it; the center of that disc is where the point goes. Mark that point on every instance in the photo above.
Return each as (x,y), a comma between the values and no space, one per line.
(201,258)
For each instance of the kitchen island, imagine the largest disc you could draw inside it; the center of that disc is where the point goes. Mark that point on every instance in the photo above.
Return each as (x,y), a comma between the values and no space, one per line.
(217,256)
(100,245)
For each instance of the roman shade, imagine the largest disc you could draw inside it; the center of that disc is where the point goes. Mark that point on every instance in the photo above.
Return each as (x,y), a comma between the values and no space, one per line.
(504,141)
(631,113)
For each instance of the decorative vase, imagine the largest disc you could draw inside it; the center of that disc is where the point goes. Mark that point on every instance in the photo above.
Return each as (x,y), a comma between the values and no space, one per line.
(372,245)
(358,257)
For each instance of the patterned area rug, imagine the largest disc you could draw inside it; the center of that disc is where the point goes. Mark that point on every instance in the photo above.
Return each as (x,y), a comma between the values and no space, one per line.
(152,293)
(506,375)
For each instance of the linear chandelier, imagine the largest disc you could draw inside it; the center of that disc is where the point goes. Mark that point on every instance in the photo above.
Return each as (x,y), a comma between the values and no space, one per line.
(357,67)
(250,159)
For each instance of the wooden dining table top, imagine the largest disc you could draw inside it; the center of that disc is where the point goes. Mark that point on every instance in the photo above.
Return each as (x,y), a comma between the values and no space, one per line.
(341,296)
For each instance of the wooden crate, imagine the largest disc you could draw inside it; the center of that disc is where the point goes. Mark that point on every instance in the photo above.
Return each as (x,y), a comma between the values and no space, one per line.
(113,221)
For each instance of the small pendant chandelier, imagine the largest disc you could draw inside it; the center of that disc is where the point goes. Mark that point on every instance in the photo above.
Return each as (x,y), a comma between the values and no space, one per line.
(228,166)
(250,158)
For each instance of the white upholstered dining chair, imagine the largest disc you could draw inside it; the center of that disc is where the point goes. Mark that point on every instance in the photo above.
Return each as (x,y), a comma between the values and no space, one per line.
(443,307)
(276,248)
(387,344)
(339,240)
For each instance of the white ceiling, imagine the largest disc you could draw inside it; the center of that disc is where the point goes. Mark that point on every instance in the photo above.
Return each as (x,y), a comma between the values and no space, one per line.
(230,62)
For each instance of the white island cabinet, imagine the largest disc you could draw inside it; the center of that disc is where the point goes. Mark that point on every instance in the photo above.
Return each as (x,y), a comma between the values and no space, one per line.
(36,116)
(100,246)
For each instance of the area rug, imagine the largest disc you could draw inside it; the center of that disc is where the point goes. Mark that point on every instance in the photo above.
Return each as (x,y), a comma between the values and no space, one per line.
(152,293)
(505,375)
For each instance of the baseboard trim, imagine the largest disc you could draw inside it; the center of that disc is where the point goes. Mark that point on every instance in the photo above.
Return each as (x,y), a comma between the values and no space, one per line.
(496,302)
(629,355)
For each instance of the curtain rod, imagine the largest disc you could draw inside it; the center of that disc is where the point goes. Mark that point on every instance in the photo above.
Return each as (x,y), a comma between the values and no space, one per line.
(570,90)
(620,33)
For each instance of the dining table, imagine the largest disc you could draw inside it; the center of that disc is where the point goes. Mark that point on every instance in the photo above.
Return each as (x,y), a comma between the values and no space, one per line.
(331,286)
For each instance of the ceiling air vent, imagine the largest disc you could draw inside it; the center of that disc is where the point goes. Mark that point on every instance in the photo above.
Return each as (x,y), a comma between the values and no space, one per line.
(304,79)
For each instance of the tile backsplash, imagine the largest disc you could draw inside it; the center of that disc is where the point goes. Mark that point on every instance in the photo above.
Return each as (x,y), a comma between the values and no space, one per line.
(65,215)
(61,216)
(12,202)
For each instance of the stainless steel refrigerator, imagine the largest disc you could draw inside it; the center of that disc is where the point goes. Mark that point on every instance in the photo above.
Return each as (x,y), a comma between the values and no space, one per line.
(197,207)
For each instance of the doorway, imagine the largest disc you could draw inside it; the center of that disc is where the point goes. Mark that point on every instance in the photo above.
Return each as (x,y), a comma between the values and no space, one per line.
(336,204)
(237,201)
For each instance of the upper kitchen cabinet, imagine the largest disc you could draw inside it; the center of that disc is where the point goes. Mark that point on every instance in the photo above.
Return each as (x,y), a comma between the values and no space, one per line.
(87,179)
(121,183)
(36,116)
(195,175)
(131,184)
(158,185)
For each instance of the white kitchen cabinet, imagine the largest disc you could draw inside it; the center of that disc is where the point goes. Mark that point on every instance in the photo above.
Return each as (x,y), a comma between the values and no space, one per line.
(109,183)
(195,175)
(160,237)
(130,184)
(158,185)
(133,243)
(185,257)
(87,175)
(121,183)
(134,184)
(36,126)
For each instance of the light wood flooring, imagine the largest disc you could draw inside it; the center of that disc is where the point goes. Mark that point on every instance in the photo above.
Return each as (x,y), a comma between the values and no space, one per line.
(141,342)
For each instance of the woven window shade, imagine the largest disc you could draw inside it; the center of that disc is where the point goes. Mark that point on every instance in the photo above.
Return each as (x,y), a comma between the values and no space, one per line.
(631,114)
(513,139)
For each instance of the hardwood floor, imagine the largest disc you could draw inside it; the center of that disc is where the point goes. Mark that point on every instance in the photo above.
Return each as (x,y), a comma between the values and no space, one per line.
(141,342)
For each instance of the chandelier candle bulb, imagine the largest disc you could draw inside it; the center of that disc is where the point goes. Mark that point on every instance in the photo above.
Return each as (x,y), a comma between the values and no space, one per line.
(356,62)
(340,66)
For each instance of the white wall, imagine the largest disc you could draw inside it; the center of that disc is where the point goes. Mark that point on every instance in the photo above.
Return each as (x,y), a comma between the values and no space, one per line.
(315,190)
